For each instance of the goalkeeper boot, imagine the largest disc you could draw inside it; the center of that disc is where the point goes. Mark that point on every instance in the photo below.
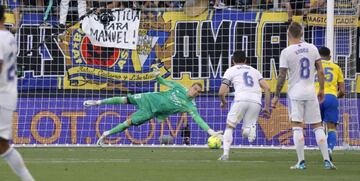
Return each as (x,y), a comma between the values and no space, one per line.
(91,103)
(299,166)
(224,158)
(328,165)
(100,142)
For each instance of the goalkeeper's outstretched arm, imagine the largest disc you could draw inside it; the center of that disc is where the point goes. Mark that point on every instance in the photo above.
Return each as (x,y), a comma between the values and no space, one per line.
(167,83)
(162,81)
(203,125)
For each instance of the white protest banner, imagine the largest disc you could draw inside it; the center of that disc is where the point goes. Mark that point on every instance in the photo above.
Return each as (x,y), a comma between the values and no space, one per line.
(117,28)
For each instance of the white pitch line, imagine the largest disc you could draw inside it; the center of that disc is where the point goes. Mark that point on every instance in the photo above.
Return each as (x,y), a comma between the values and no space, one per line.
(208,161)
(75,161)
(58,161)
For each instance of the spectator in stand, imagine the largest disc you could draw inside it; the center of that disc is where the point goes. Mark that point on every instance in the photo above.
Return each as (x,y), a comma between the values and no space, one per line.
(295,7)
(14,6)
(219,4)
(314,5)
(64,9)
(174,4)
(109,5)
(302,7)
(38,3)
(263,4)
(117,4)
(48,5)
(137,5)
(150,4)
(133,4)
(247,2)
(195,7)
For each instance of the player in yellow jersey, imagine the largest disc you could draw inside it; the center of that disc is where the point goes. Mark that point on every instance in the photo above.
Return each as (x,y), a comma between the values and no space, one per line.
(334,89)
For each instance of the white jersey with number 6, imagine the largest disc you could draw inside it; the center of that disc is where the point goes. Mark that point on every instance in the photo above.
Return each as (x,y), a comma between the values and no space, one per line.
(300,60)
(8,78)
(245,80)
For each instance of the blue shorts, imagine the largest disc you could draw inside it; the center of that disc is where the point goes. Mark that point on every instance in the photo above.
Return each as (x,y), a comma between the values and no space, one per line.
(329,109)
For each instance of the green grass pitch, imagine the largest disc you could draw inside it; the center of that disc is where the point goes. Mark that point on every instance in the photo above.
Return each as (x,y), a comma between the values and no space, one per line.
(183,164)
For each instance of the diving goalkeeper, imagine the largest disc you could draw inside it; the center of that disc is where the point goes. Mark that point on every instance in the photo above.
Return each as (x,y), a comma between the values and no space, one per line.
(157,104)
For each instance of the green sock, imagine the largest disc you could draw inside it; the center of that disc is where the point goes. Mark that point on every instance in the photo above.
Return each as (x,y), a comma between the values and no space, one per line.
(119,128)
(115,100)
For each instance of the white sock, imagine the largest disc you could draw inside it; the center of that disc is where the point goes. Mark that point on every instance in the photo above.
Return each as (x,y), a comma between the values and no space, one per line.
(322,142)
(298,138)
(228,138)
(15,161)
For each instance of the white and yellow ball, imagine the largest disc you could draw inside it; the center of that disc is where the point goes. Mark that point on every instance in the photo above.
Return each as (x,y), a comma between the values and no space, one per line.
(214,142)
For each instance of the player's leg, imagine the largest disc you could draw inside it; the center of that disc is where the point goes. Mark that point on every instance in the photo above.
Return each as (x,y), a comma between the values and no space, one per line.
(313,117)
(296,114)
(112,100)
(117,129)
(115,100)
(9,154)
(135,99)
(227,141)
(234,116)
(331,137)
(330,118)
(320,136)
(250,118)
(137,118)
(323,108)
(14,160)
(299,142)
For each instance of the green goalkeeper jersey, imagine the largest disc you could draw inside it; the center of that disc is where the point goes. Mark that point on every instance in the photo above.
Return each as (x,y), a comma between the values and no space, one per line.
(164,103)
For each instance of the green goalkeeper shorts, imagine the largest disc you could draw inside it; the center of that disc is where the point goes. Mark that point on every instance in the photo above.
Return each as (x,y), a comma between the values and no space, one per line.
(143,113)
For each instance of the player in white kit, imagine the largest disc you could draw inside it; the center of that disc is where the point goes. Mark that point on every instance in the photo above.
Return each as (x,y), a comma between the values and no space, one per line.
(246,106)
(301,59)
(8,100)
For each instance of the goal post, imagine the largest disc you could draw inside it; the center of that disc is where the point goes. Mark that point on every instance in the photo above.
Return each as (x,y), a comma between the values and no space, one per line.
(330,25)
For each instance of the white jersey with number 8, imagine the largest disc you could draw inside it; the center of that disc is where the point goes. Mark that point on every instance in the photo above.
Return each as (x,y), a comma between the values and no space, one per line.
(300,60)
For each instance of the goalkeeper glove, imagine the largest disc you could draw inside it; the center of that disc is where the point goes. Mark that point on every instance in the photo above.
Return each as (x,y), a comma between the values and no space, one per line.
(92,103)
(156,70)
(215,133)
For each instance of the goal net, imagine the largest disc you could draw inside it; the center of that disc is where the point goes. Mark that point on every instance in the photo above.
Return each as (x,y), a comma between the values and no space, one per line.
(64,60)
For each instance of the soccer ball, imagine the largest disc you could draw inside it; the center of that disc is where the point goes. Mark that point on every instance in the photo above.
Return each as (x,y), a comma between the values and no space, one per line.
(214,142)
